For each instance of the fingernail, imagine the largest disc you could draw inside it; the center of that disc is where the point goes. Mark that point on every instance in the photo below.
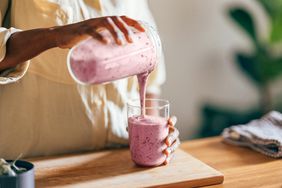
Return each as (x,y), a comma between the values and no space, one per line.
(168,151)
(171,128)
(106,41)
(119,42)
(142,29)
(173,119)
(167,141)
(170,121)
(130,40)
(168,159)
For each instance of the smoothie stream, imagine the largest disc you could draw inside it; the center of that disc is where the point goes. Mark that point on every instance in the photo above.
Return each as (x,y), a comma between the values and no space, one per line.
(147,133)
(142,82)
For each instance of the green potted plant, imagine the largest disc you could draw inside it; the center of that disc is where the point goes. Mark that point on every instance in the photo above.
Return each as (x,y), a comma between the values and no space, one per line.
(263,66)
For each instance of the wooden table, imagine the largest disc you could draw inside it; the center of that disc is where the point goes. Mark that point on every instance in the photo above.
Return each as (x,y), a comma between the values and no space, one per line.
(241,167)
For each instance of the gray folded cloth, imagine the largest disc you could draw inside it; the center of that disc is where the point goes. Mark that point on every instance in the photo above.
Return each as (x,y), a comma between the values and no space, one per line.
(263,135)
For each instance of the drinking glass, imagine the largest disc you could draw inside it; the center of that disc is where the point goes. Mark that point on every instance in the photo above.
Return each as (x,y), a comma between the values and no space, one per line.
(147,133)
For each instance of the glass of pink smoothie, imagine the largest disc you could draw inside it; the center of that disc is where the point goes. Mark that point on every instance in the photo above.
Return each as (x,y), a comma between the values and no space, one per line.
(147,133)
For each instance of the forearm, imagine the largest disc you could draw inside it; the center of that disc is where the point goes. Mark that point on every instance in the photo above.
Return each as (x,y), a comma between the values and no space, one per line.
(25,45)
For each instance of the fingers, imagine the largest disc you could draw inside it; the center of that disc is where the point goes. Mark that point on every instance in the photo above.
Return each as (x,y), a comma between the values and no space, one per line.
(123,27)
(114,30)
(172,140)
(117,26)
(172,137)
(172,121)
(169,150)
(168,159)
(99,37)
(171,129)
(133,23)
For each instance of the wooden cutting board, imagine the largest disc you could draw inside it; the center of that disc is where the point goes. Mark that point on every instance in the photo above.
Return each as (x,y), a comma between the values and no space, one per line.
(114,169)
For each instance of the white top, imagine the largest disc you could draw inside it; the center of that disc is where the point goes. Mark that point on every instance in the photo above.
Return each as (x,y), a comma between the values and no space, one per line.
(45,112)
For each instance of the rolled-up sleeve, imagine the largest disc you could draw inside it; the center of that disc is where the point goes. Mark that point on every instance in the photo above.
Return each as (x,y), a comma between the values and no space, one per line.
(12,74)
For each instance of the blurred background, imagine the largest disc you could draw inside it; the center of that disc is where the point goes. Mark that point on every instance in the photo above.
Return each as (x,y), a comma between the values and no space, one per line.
(223,60)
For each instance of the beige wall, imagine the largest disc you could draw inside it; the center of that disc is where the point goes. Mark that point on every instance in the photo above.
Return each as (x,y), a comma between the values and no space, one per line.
(198,42)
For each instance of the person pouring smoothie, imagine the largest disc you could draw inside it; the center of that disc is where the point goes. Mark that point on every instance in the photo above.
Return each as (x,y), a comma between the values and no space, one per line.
(41,110)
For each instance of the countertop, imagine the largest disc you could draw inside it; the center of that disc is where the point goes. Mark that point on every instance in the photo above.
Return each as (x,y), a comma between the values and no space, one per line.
(241,167)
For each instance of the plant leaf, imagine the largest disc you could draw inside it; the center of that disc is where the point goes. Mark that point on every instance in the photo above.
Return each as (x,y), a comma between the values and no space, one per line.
(271,68)
(245,21)
(249,65)
(274,9)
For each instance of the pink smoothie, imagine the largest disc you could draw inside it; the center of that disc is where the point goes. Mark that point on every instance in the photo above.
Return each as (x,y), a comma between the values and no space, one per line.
(147,139)
(92,62)
(142,82)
